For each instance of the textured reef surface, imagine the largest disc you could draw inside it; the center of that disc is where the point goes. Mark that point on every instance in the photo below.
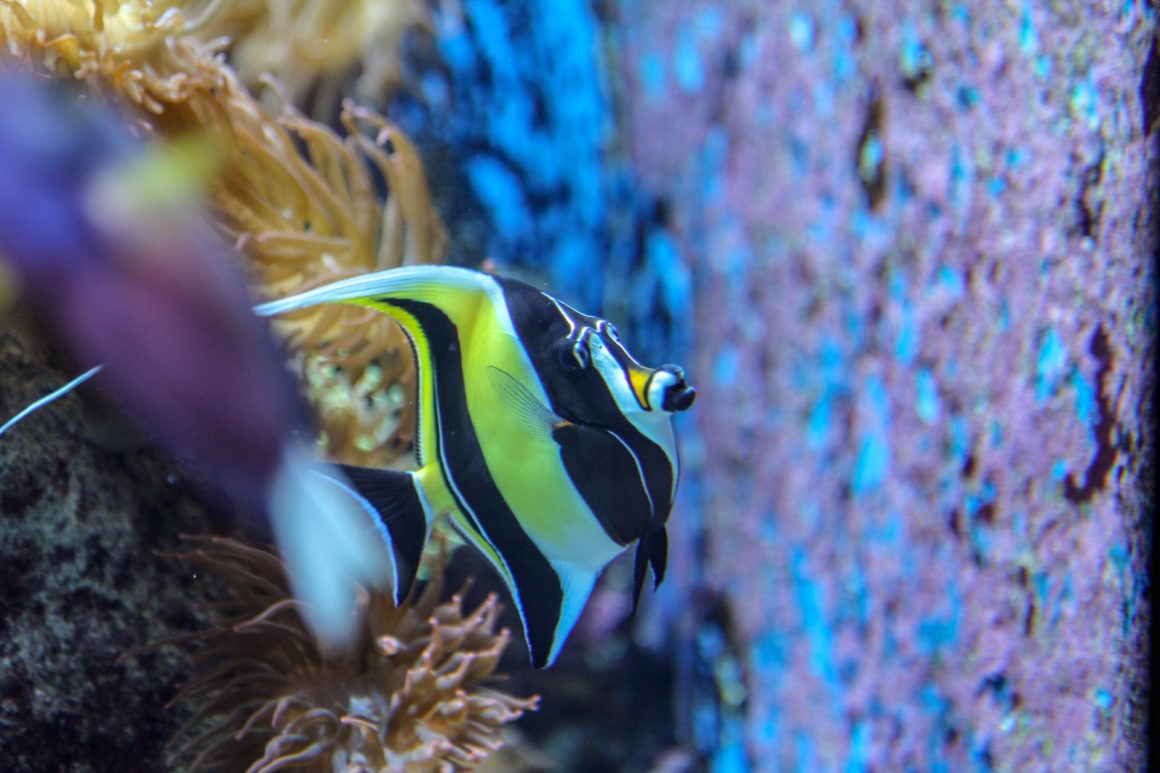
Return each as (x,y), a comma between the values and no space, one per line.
(905,251)
(921,238)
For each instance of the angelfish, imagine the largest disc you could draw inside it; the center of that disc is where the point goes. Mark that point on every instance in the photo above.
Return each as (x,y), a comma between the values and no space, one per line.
(548,445)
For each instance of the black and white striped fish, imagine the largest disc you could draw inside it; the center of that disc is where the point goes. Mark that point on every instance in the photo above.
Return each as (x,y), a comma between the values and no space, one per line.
(548,445)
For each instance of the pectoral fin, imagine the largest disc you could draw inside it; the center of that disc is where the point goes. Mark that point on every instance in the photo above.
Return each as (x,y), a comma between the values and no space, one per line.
(525,408)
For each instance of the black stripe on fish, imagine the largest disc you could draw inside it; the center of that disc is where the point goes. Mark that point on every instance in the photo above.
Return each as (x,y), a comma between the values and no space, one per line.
(538,591)
(608,476)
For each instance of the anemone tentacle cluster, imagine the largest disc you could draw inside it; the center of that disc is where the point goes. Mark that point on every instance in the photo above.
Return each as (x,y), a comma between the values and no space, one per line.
(417,694)
(302,203)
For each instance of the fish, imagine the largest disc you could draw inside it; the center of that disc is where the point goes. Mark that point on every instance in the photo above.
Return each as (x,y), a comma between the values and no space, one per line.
(548,446)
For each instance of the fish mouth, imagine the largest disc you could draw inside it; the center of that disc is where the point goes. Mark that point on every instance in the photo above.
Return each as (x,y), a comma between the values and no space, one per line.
(678,395)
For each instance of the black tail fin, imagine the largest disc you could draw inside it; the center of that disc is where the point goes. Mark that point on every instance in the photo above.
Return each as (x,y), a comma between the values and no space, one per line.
(401,514)
(651,551)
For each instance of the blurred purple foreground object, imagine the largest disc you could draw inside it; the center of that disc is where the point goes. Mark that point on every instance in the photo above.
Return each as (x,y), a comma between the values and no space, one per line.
(168,317)
(146,290)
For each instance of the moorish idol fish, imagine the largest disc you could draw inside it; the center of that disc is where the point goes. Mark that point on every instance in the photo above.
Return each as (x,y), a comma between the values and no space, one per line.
(550,447)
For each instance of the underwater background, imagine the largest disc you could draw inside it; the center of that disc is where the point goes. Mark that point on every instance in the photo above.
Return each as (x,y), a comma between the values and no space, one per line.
(904,250)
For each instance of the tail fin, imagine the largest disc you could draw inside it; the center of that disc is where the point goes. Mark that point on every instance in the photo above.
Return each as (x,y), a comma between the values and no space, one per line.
(401,513)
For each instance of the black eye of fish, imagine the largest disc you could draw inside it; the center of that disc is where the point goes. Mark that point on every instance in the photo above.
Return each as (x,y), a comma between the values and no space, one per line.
(573,355)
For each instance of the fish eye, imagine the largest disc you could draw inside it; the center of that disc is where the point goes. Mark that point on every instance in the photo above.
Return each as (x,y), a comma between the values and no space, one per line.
(573,355)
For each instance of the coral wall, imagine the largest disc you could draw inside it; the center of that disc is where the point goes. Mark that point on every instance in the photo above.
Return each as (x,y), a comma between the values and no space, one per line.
(921,240)
(905,250)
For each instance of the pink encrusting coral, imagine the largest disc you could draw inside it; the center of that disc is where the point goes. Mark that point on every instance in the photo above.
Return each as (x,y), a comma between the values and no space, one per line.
(925,425)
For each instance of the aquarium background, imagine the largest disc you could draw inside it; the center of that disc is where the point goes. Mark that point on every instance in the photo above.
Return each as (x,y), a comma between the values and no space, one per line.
(906,253)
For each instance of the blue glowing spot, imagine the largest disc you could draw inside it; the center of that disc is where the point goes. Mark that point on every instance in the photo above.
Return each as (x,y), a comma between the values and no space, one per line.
(936,632)
(730,755)
(1004,315)
(1028,35)
(806,754)
(809,602)
(1103,699)
(801,31)
(818,425)
(1058,469)
(906,345)
(1016,157)
(967,96)
(928,403)
(709,22)
(962,13)
(996,186)
(750,51)
(502,194)
(1084,104)
(435,90)
(950,281)
(687,62)
(676,281)
(996,433)
(725,368)
(1043,66)
(652,73)
(872,464)
(859,759)
(960,439)
(1050,363)
(1085,400)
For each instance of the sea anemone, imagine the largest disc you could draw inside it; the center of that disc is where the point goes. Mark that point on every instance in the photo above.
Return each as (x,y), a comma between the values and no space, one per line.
(415,695)
(303,205)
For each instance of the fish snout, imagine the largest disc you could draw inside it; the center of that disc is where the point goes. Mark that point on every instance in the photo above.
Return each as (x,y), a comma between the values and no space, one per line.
(678,395)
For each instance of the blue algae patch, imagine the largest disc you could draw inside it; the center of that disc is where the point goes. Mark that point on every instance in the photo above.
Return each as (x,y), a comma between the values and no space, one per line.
(859,759)
(1084,104)
(501,193)
(906,345)
(928,403)
(1050,363)
(676,281)
(687,64)
(817,629)
(801,30)
(936,632)
(1085,401)
(725,366)
(730,755)
(652,74)
(873,462)
(1028,35)
(950,281)
(818,424)
(806,752)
